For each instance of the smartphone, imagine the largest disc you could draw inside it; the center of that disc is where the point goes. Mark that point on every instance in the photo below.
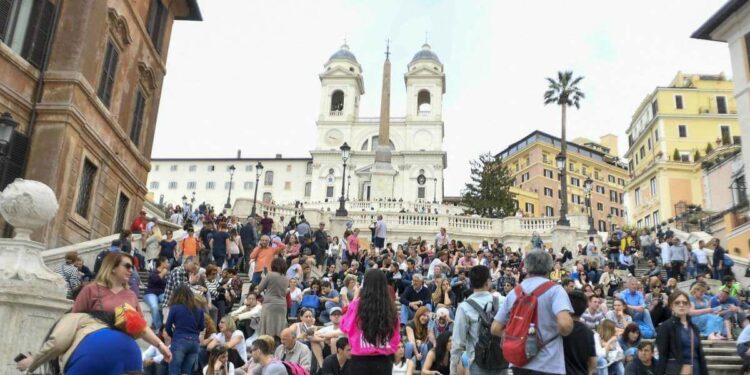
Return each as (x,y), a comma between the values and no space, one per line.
(20,357)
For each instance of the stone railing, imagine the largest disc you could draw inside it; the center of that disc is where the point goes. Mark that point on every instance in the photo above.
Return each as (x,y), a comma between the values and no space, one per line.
(385,206)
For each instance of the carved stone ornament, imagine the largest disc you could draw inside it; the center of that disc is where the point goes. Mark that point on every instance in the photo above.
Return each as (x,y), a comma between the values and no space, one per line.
(119,27)
(147,77)
(27,205)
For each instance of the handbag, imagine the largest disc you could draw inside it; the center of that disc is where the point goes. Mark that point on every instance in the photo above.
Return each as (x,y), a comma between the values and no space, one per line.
(615,354)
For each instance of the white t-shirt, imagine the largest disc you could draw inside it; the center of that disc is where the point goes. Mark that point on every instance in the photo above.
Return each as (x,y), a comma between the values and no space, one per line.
(241,347)
(700,255)
(665,254)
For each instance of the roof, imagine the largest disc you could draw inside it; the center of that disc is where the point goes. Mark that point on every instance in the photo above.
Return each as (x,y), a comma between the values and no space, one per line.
(344,54)
(425,54)
(704,32)
(227,159)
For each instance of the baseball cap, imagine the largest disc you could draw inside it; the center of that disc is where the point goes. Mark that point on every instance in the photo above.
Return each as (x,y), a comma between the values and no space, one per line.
(335,310)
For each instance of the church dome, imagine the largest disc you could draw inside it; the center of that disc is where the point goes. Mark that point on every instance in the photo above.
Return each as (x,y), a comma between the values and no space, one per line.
(426,54)
(343,54)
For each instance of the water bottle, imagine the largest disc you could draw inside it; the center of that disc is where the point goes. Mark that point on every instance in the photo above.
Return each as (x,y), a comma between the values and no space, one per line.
(531,343)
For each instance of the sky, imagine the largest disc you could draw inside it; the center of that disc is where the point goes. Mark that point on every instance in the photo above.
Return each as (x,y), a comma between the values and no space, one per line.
(247,76)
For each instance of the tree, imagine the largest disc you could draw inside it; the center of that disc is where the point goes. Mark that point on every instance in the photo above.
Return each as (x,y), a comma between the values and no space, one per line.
(676,155)
(709,148)
(488,194)
(697,155)
(564,92)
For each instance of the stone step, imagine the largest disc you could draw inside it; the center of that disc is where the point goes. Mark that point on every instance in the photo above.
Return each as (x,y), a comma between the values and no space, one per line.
(724,369)
(724,359)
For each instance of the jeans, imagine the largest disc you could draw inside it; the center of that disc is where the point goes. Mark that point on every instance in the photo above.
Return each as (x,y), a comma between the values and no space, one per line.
(294,309)
(423,350)
(219,259)
(156,369)
(257,276)
(184,356)
(154,304)
(702,268)
(233,260)
(602,368)
(645,317)
(718,274)
(677,271)
(407,313)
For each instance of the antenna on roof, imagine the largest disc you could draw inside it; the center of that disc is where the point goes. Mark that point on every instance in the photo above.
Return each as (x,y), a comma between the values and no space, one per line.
(387,48)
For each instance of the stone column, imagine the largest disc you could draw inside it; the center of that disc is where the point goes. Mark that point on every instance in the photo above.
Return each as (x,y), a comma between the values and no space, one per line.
(32,297)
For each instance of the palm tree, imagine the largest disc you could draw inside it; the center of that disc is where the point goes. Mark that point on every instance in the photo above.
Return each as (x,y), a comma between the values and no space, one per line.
(564,92)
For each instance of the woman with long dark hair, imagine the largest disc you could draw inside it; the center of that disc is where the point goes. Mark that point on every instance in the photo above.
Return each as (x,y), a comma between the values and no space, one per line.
(372,326)
(184,323)
(438,361)
(678,340)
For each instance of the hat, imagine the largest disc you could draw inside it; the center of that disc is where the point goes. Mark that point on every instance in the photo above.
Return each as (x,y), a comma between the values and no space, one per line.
(335,310)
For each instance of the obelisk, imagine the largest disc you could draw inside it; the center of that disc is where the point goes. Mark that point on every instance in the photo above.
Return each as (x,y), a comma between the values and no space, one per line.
(382,171)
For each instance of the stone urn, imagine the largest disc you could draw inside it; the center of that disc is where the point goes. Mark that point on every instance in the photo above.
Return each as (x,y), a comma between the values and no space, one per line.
(27,205)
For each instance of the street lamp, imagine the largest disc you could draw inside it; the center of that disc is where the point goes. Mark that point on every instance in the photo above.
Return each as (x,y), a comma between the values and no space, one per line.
(344,156)
(231,179)
(560,161)
(587,185)
(258,172)
(7,126)
(434,191)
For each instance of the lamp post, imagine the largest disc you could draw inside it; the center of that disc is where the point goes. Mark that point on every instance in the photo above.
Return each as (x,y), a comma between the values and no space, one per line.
(609,222)
(561,162)
(587,185)
(231,179)
(258,172)
(7,127)
(434,191)
(344,156)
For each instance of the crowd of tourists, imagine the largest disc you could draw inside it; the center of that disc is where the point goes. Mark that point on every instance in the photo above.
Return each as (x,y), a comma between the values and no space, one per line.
(330,303)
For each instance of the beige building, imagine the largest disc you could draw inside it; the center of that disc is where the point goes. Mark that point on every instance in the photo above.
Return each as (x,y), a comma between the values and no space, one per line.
(83,79)
(532,163)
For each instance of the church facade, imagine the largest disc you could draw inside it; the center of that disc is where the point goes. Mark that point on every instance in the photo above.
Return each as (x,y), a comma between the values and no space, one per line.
(415,140)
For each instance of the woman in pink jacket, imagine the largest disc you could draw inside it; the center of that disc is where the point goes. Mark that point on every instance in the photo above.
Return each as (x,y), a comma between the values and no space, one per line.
(352,245)
(372,326)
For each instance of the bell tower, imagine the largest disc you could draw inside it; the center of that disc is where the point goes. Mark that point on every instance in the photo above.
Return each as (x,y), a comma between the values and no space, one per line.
(341,87)
(425,86)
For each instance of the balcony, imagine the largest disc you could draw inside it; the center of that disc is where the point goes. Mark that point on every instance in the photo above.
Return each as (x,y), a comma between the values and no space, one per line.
(336,113)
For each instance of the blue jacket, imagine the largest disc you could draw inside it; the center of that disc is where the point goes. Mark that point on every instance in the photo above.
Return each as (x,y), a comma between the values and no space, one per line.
(183,324)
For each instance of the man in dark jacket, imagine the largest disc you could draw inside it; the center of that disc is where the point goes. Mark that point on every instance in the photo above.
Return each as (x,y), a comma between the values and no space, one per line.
(321,241)
(644,363)
(414,297)
(249,238)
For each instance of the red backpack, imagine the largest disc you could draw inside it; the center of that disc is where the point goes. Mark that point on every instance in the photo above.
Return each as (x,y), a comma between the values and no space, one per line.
(516,337)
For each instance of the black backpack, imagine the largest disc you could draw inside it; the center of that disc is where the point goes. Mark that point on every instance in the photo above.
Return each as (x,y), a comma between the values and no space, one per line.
(488,351)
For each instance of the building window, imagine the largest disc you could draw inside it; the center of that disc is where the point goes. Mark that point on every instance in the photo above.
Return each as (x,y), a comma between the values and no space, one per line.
(421,192)
(684,156)
(137,123)
(682,131)
(228,184)
(721,104)
(191,185)
(268,179)
(109,70)
(678,101)
(173,168)
(575,198)
(157,19)
(600,189)
(647,221)
(611,179)
(548,192)
(308,188)
(525,177)
(25,26)
(193,168)
(653,186)
(638,196)
(545,158)
(648,143)
(548,173)
(210,185)
(267,197)
(596,174)
(122,208)
(172,185)
(423,102)
(602,226)
(613,196)
(639,224)
(249,168)
(599,206)
(654,107)
(621,182)
(584,170)
(337,103)
(248,185)
(643,152)
(656,135)
(655,215)
(287,185)
(211,168)
(88,176)
(309,168)
(329,191)
(575,181)
(614,211)
(571,167)
(529,208)
(549,211)
(726,135)
(154,185)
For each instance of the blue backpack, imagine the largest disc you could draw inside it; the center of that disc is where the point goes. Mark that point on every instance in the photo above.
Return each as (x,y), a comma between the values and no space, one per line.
(310,301)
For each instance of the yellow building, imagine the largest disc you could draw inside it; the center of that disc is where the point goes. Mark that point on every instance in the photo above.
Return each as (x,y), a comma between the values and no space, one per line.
(669,134)
(531,161)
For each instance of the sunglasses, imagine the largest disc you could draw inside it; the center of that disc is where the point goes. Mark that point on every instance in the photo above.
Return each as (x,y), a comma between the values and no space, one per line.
(129,266)
(681,303)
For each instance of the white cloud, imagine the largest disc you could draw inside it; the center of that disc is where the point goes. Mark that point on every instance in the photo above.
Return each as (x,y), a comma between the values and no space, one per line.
(246,77)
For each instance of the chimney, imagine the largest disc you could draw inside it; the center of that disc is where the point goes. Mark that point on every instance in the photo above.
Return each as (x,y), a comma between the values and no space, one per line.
(278,156)
(239,154)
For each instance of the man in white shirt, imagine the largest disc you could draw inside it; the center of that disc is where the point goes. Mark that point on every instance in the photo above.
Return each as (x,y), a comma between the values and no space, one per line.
(380,233)
(247,316)
(441,259)
(441,239)
(666,256)
(701,258)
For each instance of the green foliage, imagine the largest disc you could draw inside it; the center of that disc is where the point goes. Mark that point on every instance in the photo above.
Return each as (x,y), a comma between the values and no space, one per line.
(488,194)
(676,155)
(697,155)
(709,148)
(564,90)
